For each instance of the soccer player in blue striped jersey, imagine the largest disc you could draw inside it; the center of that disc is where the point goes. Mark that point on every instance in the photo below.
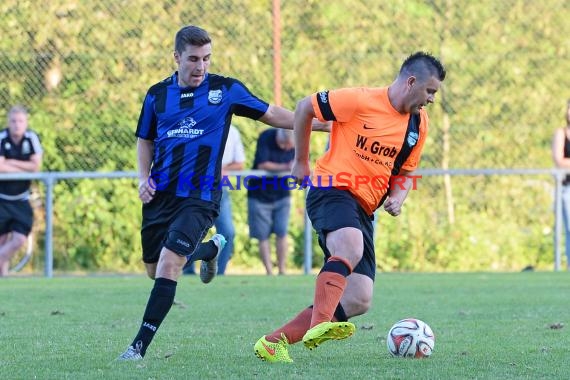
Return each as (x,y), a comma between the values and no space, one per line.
(182,131)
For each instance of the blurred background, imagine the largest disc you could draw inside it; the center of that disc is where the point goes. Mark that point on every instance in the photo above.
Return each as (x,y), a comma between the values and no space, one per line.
(83,68)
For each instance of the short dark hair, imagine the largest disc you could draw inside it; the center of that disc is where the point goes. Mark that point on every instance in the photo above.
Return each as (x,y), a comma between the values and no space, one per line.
(423,65)
(190,35)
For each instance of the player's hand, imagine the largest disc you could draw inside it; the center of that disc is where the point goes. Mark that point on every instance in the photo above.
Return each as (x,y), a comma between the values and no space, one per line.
(147,189)
(393,206)
(300,170)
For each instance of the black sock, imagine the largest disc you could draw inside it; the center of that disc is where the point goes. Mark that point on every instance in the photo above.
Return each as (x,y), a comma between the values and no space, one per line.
(157,307)
(205,251)
(340,314)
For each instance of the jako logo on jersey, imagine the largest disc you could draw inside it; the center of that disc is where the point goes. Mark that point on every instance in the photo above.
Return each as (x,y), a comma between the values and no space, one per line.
(215,96)
(324,96)
(184,243)
(412,138)
(187,95)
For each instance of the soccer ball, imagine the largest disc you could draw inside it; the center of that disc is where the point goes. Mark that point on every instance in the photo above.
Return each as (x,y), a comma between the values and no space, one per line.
(411,338)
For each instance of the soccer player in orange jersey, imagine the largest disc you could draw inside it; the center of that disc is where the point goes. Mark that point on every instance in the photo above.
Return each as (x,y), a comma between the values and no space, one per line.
(376,141)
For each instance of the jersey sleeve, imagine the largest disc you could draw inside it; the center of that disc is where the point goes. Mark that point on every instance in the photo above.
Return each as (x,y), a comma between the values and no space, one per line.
(146,127)
(413,160)
(245,103)
(336,105)
(35,142)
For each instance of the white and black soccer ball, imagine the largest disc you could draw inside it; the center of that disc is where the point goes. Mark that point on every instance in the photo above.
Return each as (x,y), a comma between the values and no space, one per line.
(411,338)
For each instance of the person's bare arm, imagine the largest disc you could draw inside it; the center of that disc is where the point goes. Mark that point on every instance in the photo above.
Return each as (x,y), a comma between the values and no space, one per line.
(304,114)
(558,149)
(280,117)
(145,151)
(399,189)
(10,165)
(274,166)
(233,166)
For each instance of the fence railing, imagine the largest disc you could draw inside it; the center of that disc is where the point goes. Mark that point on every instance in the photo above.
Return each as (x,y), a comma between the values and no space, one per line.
(49,179)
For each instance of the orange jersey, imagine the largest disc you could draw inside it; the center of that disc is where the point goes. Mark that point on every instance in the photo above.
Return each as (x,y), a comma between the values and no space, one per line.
(366,138)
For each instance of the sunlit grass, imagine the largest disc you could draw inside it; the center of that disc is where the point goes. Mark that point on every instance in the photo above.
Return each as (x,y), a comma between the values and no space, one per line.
(487,326)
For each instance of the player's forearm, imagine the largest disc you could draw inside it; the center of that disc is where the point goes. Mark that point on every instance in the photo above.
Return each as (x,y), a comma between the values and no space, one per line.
(400,194)
(145,149)
(278,117)
(401,185)
(304,115)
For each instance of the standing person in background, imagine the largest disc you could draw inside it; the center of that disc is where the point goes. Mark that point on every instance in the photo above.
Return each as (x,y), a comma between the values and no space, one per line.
(561,157)
(182,131)
(269,201)
(233,159)
(20,152)
(377,133)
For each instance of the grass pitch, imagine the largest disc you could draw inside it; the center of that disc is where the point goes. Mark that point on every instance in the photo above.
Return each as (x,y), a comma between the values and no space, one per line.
(487,326)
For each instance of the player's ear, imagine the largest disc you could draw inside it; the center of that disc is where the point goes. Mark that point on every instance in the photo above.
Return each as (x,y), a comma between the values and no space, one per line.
(412,80)
(176,57)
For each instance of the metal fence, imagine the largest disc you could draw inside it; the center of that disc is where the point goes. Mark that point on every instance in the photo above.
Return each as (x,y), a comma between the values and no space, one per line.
(49,179)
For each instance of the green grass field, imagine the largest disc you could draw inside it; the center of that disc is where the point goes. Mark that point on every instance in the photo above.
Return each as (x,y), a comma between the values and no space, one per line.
(487,326)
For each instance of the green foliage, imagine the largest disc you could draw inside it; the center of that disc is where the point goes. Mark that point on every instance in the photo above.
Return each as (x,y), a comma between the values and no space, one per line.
(505,93)
(109,213)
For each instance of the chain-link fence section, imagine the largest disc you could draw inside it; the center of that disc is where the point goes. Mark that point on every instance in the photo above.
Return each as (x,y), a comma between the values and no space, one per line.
(83,68)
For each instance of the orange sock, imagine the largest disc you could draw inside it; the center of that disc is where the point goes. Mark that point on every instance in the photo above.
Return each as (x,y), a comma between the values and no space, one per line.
(294,329)
(328,292)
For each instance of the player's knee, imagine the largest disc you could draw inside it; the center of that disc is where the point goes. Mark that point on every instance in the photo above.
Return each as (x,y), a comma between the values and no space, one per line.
(357,305)
(365,305)
(19,240)
(346,243)
(170,264)
(360,308)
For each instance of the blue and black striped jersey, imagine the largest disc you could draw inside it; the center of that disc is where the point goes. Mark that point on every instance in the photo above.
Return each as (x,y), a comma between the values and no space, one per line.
(189,127)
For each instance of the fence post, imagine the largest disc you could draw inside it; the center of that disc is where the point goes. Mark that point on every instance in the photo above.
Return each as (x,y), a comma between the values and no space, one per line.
(50,182)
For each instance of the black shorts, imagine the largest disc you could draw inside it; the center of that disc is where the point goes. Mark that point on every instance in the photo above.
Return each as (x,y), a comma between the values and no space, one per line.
(16,216)
(331,209)
(179,224)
